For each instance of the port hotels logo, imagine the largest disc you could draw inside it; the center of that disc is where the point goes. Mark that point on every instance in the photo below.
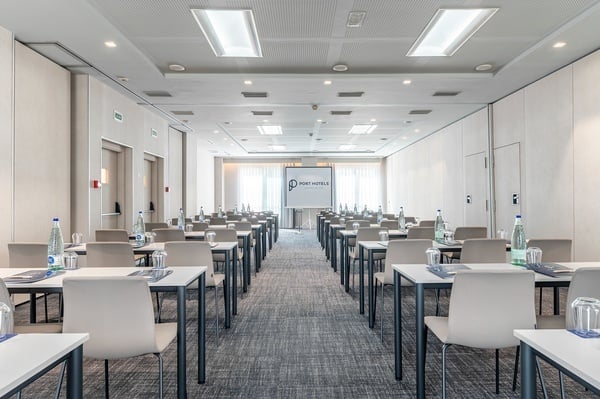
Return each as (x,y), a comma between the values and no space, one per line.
(293,183)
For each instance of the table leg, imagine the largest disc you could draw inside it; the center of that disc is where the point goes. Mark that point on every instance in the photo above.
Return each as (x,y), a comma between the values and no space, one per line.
(420,330)
(227,292)
(397,325)
(556,301)
(334,250)
(181,344)
(202,329)
(342,257)
(528,384)
(246,263)
(234,282)
(264,240)
(347,268)
(371,289)
(75,373)
(361,280)
(33,308)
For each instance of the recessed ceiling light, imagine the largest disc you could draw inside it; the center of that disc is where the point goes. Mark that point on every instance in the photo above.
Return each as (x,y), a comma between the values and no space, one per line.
(122,79)
(230,33)
(559,44)
(247,82)
(176,67)
(448,30)
(320,120)
(406,81)
(362,129)
(373,120)
(340,68)
(277,147)
(417,130)
(225,139)
(110,44)
(327,82)
(270,130)
(404,137)
(346,147)
(215,131)
(265,120)
(483,67)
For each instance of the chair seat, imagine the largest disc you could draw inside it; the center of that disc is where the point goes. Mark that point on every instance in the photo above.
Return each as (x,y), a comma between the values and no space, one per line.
(550,322)
(165,333)
(439,326)
(39,328)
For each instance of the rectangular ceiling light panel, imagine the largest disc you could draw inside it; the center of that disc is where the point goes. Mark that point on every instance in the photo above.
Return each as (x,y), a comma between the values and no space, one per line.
(230,33)
(270,130)
(362,129)
(448,30)
(347,147)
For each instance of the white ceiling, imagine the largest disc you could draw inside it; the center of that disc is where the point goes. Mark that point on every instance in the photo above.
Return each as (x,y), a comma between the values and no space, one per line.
(301,40)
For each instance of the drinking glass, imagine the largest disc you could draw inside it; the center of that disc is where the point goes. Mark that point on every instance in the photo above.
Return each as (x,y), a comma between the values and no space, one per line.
(585,317)
(77,238)
(230,226)
(355,226)
(384,235)
(433,256)
(159,258)
(501,234)
(70,260)
(150,237)
(210,237)
(534,255)
(189,227)
(6,320)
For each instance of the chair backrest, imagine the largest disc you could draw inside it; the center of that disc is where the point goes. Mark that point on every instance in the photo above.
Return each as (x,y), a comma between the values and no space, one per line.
(486,306)
(420,232)
(389,216)
(191,253)
(585,282)
(224,235)
(5,296)
(369,233)
(389,224)
(243,226)
(199,226)
(112,235)
(553,249)
(483,250)
(426,223)
(27,254)
(463,233)
(164,235)
(361,222)
(174,221)
(372,219)
(117,312)
(334,220)
(410,219)
(109,254)
(404,252)
(233,217)
(149,226)
(217,221)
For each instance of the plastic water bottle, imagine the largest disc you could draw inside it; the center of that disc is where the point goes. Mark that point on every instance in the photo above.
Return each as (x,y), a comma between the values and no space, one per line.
(220,212)
(341,210)
(439,227)
(243,208)
(201,214)
(365,211)
(355,209)
(235,211)
(56,247)
(518,244)
(140,229)
(379,214)
(6,320)
(401,219)
(181,220)
(345,209)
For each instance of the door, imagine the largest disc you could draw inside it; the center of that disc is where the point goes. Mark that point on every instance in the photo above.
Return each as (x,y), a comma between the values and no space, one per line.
(150,188)
(507,178)
(109,178)
(476,193)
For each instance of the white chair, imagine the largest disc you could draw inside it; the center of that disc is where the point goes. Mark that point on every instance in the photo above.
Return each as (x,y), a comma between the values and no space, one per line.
(399,252)
(112,235)
(117,312)
(483,250)
(427,223)
(365,234)
(150,226)
(420,233)
(482,315)
(164,235)
(109,254)
(197,253)
(464,233)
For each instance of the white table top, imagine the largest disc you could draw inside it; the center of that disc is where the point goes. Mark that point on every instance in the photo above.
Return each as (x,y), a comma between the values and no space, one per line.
(181,276)
(25,355)
(155,246)
(418,273)
(576,354)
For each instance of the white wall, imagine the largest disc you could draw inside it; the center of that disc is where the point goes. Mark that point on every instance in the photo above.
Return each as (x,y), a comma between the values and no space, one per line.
(6,141)
(175,180)
(206,179)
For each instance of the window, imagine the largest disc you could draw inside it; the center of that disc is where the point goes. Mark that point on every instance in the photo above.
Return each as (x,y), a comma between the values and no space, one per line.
(358,184)
(260,186)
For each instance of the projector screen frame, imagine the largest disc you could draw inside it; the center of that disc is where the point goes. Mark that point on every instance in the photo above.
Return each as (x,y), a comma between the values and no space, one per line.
(308,205)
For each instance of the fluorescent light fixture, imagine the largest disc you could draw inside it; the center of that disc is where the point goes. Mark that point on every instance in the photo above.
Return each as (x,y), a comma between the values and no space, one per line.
(247,82)
(270,130)
(110,44)
(559,44)
(347,147)
(230,33)
(276,147)
(406,82)
(362,129)
(448,30)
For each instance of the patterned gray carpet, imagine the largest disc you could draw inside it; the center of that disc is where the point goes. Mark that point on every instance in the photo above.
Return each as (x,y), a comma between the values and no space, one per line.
(299,335)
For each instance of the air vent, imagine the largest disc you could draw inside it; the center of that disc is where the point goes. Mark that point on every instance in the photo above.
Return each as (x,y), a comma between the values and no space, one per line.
(446,93)
(340,112)
(255,94)
(262,113)
(157,93)
(351,93)
(355,19)
(419,112)
(182,112)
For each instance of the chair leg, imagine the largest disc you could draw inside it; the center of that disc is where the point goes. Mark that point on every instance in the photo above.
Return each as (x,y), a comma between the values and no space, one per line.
(46,307)
(160,375)
(106,378)
(561,383)
(444,347)
(497,371)
(517,354)
(541,290)
(543,384)
(217,312)
(381,310)
(61,376)
(437,302)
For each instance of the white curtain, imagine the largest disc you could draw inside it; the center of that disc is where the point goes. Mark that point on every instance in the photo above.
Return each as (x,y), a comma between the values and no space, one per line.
(260,186)
(358,184)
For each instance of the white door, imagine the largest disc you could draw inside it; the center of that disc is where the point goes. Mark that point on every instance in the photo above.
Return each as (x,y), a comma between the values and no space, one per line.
(110,189)
(507,178)
(476,192)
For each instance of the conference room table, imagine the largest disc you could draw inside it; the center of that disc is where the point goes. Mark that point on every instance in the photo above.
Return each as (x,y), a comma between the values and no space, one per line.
(575,356)
(177,281)
(26,357)
(418,275)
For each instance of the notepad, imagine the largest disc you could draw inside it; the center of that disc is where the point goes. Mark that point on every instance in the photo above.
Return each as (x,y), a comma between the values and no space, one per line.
(447,271)
(31,276)
(152,275)
(549,269)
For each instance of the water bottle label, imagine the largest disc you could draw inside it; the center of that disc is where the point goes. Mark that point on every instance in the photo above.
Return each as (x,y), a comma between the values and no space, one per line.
(50,260)
(139,237)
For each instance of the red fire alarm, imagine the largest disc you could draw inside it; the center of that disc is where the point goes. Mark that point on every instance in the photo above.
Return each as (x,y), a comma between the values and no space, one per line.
(166,189)
(95,183)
